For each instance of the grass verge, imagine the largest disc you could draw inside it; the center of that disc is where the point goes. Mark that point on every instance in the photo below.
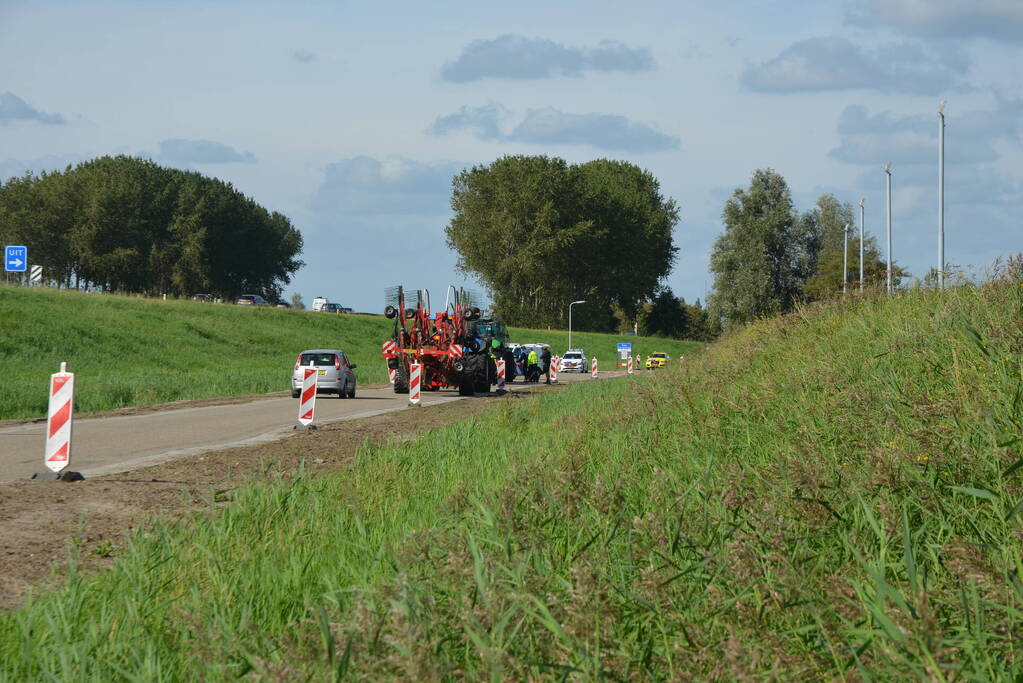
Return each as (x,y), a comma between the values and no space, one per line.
(833,494)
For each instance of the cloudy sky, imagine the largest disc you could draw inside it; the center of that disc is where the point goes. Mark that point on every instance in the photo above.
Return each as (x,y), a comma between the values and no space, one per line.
(351,118)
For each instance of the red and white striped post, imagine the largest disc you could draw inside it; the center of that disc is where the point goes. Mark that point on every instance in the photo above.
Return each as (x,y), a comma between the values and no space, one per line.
(629,365)
(639,362)
(553,371)
(59,419)
(307,401)
(593,367)
(501,370)
(415,383)
(391,372)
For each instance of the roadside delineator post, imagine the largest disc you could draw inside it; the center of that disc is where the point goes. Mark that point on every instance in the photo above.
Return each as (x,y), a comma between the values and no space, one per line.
(629,365)
(639,363)
(307,402)
(415,384)
(553,373)
(593,367)
(391,372)
(501,370)
(59,423)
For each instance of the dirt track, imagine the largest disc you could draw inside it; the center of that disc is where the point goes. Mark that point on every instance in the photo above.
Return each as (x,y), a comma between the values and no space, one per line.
(41,522)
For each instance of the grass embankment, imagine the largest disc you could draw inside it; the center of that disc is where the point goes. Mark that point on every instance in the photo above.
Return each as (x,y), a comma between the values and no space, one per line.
(829,495)
(137,352)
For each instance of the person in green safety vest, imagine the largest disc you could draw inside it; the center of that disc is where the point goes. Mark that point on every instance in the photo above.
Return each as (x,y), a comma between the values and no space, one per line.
(532,371)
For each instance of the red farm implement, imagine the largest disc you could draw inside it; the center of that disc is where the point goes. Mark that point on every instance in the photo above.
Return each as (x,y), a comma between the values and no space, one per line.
(454,347)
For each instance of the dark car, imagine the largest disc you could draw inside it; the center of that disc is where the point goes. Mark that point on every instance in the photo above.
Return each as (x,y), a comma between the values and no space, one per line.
(333,308)
(202,297)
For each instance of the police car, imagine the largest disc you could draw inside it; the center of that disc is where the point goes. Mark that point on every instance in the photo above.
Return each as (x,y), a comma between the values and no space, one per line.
(574,359)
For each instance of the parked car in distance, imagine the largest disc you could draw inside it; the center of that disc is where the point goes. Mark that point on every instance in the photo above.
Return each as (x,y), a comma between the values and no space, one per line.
(574,359)
(658,359)
(283,304)
(334,372)
(251,300)
(333,308)
(202,297)
(319,302)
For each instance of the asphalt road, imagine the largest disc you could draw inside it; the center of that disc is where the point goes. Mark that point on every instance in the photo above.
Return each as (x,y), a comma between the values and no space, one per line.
(123,443)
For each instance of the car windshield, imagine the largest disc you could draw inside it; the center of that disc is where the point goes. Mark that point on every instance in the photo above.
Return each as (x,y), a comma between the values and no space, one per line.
(574,356)
(317,359)
(658,355)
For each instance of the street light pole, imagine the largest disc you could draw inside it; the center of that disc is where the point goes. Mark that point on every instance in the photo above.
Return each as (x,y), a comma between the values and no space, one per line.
(941,195)
(570,320)
(861,244)
(845,259)
(888,219)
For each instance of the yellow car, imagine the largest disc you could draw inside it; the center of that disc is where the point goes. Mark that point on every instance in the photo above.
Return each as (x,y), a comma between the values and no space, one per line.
(657,360)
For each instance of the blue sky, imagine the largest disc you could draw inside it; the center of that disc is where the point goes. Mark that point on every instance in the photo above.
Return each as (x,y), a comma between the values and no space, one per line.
(351,118)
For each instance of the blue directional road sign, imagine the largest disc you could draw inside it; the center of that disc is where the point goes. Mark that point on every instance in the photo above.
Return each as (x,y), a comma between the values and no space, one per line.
(16,259)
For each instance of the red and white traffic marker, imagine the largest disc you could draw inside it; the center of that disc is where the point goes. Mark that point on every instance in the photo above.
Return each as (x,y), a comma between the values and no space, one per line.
(59,420)
(553,370)
(629,365)
(307,403)
(500,376)
(593,367)
(639,362)
(415,383)
(391,373)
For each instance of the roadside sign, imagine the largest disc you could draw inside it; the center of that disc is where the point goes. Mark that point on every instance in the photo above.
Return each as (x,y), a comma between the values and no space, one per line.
(15,259)
(59,420)
(36,275)
(624,353)
(307,400)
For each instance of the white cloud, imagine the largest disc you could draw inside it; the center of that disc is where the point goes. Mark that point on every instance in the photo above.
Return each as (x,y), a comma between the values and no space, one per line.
(995,19)
(835,63)
(178,151)
(549,126)
(13,108)
(517,57)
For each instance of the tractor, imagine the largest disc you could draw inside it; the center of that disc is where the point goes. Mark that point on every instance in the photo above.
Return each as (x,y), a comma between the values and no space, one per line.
(453,347)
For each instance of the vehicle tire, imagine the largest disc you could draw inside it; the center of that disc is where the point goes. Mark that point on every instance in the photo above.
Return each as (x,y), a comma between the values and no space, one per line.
(343,391)
(401,379)
(295,394)
(480,380)
(351,392)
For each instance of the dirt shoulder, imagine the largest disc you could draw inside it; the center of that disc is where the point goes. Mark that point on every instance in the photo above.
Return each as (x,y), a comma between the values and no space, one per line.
(41,522)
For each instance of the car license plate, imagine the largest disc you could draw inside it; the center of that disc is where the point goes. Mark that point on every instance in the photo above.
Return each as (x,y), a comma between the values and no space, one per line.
(321,372)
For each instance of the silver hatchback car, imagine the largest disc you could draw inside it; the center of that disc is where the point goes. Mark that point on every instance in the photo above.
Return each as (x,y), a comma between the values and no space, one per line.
(333,369)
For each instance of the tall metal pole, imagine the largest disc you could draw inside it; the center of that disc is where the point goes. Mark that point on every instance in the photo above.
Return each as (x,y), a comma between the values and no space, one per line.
(861,244)
(941,195)
(845,260)
(888,219)
(570,320)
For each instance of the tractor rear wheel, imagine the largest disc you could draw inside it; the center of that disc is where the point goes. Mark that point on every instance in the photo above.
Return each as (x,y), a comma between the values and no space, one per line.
(401,379)
(480,380)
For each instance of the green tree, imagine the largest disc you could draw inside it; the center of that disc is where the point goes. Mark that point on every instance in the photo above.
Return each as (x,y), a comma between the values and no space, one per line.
(539,233)
(296,301)
(832,217)
(765,255)
(666,316)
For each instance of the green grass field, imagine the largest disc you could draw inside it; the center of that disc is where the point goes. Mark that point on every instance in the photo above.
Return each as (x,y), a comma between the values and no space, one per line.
(834,494)
(136,352)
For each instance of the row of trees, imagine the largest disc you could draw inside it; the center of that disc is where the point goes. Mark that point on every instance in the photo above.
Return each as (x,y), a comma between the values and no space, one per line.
(539,233)
(771,257)
(129,225)
(668,316)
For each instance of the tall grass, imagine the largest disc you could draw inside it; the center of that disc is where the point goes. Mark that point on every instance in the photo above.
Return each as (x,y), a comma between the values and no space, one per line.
(131,351)
(834,494)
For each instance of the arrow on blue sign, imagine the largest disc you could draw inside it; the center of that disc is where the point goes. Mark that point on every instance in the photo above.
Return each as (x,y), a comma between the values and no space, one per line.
(16,259)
